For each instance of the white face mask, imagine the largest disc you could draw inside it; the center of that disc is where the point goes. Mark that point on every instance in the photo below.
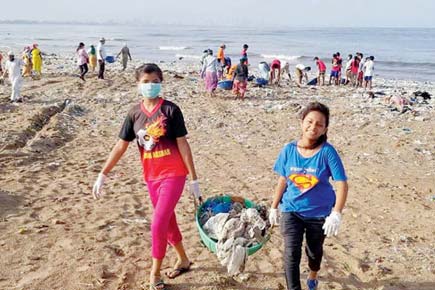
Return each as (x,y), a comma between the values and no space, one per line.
(150,90)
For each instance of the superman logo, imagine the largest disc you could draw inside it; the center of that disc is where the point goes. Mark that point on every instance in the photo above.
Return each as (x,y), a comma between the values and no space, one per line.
(303,181)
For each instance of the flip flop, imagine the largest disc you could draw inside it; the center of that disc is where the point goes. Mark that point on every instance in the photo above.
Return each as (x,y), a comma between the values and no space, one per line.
(178,271)
(159,285)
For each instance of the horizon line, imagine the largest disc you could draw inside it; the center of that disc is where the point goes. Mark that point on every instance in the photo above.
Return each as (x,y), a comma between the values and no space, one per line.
(133,22)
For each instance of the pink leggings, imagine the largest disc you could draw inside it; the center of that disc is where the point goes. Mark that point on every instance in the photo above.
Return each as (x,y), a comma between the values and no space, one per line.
(165,194)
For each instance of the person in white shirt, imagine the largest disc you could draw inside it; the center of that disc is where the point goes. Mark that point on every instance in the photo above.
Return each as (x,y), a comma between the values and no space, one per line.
(209,73)
(101,57)
(369,68)
(300,72)
(264,70)
(13,69)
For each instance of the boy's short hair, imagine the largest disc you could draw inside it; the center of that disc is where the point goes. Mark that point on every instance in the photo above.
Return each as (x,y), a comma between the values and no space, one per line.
(148,68)
(372,57)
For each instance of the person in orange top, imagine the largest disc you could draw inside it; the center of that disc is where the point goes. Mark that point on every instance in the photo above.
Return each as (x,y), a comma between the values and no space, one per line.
(221,59)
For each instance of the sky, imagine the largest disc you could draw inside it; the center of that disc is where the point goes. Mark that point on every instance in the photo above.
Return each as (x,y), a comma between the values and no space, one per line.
(252,13)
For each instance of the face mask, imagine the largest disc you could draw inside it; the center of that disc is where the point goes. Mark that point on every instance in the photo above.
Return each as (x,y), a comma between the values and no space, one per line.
(150,90)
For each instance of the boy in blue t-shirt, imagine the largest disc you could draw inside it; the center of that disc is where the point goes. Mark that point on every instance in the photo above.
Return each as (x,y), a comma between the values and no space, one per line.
(307,201)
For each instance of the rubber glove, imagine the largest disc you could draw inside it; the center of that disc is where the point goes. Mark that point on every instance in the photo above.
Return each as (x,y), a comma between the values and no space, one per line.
(98,186)
(194,189)
(274,217)
(332,224)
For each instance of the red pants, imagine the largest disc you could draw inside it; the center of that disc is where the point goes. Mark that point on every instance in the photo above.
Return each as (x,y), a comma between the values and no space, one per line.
(239,88)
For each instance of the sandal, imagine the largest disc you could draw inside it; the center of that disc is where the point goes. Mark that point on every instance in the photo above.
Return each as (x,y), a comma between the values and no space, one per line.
(159,285)
(178,271)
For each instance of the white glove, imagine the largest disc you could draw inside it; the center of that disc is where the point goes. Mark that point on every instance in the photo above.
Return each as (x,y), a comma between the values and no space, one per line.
(194,189)
(332,223)
(274,217)
(96,191)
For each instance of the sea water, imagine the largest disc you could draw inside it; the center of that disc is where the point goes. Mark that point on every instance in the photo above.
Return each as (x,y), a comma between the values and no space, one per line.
(400,53)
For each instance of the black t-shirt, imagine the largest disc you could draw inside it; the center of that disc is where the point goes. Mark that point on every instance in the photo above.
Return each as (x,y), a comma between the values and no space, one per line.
(138,117)
(156,133)
(241,72)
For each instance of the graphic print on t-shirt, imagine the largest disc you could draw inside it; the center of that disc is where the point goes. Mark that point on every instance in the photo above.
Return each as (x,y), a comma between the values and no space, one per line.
(149,137)
(304,181)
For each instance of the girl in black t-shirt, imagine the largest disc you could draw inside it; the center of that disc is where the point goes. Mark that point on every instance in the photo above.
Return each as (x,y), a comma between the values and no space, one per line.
(158,127)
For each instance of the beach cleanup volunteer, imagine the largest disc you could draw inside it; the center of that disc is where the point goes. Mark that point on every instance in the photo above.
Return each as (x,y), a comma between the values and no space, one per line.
(307,201)
(125,55)
(92,52)
(37,60)
(209,72)
(101,57)
(13,69)
(158,127)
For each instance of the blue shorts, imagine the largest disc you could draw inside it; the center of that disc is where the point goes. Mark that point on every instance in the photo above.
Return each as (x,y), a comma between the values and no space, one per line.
(334,74)
(368,78)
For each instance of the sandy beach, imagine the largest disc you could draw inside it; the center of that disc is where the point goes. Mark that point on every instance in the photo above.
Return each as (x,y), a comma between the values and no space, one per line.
(54,235)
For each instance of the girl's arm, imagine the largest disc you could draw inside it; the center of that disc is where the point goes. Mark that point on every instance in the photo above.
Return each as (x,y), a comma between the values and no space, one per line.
(186,154)
(116,154)
(279,190)
(341,195)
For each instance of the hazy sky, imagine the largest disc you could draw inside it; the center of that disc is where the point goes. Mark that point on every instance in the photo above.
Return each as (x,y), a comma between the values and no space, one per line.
(312,13)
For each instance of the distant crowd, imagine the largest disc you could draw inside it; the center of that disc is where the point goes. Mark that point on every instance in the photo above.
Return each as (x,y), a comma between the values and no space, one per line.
(216,71)
(219,70)
(29,64)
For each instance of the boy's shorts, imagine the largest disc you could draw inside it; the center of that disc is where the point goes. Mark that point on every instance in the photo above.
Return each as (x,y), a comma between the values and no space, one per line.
(368,78)
(334,73)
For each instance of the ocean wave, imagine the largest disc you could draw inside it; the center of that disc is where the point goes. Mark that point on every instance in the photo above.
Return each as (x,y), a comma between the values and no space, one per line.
(116,39)
(406,64)
(281,56)
(188,56)
(173,47)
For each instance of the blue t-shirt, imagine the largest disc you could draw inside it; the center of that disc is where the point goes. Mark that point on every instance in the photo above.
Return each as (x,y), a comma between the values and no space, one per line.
(308,190)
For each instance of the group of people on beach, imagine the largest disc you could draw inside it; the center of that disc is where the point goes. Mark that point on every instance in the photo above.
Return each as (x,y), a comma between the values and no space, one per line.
(304,202)
(218,68)
(98,55)
(358,72)
(28,65)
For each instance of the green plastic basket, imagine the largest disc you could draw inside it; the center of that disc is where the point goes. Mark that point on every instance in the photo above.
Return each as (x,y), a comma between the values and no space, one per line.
(211,243)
